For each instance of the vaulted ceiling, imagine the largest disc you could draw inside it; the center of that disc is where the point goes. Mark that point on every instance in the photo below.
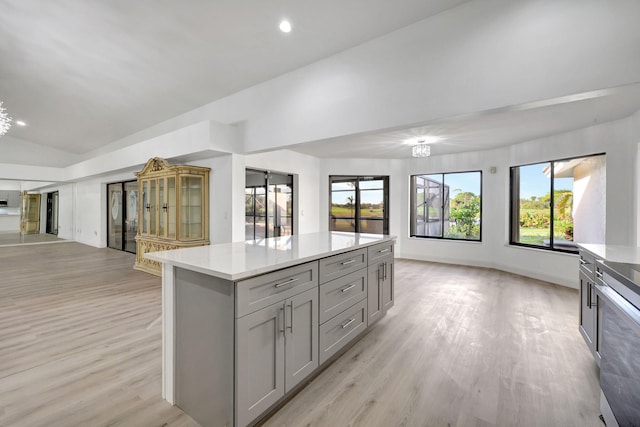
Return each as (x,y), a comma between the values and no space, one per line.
(85,74)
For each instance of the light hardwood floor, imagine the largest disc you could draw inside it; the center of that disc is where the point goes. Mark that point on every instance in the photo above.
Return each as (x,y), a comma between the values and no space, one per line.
(80,346)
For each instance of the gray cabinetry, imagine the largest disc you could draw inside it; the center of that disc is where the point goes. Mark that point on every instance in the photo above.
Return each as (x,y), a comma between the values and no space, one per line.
(589,274)
(380,294)
(277,345)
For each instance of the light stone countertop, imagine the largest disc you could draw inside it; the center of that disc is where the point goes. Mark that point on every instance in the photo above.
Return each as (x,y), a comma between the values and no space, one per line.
(240,260)
(614,253)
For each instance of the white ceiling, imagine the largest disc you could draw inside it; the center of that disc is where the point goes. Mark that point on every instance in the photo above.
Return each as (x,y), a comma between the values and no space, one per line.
(488,129)
(86,73)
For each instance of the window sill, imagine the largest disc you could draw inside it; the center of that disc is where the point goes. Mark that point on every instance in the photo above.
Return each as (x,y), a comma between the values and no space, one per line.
(546,251)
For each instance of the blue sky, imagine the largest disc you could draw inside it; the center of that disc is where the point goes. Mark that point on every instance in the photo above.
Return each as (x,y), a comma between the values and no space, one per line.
(533,182)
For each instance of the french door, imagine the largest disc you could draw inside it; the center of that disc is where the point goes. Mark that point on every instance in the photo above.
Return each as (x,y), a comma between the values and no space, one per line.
(122,215)
(52,213)
(268,204)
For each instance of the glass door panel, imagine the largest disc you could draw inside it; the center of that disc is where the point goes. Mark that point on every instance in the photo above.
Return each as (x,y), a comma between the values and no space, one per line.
(162,208)
(114,223)
(171,208)
(145,207)
(131,220)
(372,206)
(343,204)
(191,215)
(152,207)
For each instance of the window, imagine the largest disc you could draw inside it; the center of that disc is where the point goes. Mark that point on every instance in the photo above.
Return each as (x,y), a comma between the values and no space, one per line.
(359,204)
(554,203)
(268,204)
(447,205)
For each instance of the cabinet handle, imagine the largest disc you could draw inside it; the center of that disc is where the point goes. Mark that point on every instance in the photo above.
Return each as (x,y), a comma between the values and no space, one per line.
(288,282)
(148,207)
(383,251)
(384,269)
(347,288)
(348,323)
(591,299)
(291,317)
(281,310)
(599,274)
(588,294)
(348,262)
(164,206)
(583,262)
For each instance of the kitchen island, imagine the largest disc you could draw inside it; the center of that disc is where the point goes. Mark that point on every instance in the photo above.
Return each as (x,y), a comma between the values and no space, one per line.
(245,323)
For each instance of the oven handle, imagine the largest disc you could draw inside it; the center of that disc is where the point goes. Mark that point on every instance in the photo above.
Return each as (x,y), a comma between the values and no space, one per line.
(619,303)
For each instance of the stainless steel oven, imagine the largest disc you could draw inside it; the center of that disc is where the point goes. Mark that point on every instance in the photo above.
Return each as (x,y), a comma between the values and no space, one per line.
(618,299)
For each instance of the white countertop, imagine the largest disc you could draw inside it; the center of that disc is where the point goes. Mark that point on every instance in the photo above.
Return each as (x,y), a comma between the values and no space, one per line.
(615,253)
(239,260)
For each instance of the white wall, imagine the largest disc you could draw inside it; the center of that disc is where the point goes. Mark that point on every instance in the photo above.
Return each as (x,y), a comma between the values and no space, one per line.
(619,141)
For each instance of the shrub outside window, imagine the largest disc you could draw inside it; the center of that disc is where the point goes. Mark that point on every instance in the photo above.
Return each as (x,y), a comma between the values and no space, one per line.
(447,205)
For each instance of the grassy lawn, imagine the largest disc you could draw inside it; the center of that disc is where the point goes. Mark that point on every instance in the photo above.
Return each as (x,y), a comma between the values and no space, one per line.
(341,211)
(537,236)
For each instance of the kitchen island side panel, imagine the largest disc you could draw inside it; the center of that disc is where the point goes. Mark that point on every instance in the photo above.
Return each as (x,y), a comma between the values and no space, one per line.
(204,352)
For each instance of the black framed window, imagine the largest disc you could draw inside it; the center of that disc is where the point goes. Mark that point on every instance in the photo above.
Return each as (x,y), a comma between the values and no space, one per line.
(359,204)
(556,202)
(447,206)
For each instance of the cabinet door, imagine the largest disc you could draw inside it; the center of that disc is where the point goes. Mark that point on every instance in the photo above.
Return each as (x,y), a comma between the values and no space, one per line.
(192,207)
(587,311)
(145,207)
(171,207)
(387,284)
(260,361)
(152,207)
(375,306)
(301,338)
(162,208)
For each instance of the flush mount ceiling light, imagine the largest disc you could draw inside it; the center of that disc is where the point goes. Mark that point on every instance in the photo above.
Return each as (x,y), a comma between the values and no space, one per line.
(285,26)
(421,149)
(20,123)
(5,121)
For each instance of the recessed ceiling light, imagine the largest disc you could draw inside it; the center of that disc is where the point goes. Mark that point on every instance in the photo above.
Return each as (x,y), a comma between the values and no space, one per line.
(285,26)
(20,123)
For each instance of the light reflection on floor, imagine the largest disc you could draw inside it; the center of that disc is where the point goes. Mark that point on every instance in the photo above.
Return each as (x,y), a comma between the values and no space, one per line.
(13,239)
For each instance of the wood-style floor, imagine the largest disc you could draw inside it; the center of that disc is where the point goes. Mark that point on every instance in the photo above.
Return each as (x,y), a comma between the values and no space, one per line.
(80,345)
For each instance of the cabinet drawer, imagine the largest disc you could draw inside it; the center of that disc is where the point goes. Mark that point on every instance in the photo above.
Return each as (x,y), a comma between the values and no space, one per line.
(339,265)
(339,294)
(374,253)
(587,264)
(339,331)
(262,291)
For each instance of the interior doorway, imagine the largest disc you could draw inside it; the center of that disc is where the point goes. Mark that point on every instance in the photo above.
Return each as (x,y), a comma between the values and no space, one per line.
(52,213)
(268,204)
(122,215)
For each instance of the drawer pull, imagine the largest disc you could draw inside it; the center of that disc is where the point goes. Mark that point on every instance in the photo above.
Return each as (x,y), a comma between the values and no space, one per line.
(383,251)
(348,323)
(288,282)
(348,262)
(599,274)
(347,288)
(583,262)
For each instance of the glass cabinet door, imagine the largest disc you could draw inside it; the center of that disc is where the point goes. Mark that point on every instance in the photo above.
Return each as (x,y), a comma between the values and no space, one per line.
(145,208)
(171,207)
(191,204)
(162,206)
(152,207)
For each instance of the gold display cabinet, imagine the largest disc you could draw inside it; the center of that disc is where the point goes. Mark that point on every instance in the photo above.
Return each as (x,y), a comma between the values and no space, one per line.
(173,210)
(29,213)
